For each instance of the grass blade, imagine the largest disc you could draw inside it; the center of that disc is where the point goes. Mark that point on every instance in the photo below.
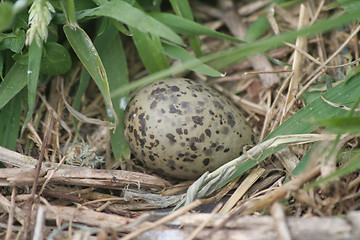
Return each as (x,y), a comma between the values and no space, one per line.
(33,71)
(133,17)
(112,53)
(86,52)
(188,27)
(182,8)
(14,81)
(184,56)
(150,50)
(10,123)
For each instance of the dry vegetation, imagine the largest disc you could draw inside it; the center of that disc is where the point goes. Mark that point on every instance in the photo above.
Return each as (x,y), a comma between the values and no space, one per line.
(42,194)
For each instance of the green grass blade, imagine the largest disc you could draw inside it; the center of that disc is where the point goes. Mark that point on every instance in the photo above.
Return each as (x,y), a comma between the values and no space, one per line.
(33,71)
(349,124)
(184,56)
(133,17)
(112,53)
(257,29)
(150,50)
(83,84)
(86,52)
(14,81)
(188,27)
(182,8)
(10,123)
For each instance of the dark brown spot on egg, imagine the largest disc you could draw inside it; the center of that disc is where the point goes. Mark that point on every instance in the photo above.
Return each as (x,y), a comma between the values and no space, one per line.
(151,157)
(225,130)
(187,160)
(206,161)
(174,88)
(202,137)
(179,131)
(207,151)
(193,147)
(226,150)
(253,139)
(197,120)
(184,104)
(218,105)
(208,132)
(153,105)
(230,119)
(171,138)
(157,91)
(219,148)
(172,109)
(198,111)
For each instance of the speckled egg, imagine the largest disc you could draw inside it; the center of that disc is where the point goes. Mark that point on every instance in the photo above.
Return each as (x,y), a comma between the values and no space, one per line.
(182,128)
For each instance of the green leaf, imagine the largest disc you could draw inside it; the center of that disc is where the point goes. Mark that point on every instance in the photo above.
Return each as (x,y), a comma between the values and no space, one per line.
(150,50)
(188,27)
(14,41)
(133,17)
(14,81)
(184,56)
(113,56)
(34,61)
(6,15)
(10,123)
(349,124)
(86,52)
(56,59)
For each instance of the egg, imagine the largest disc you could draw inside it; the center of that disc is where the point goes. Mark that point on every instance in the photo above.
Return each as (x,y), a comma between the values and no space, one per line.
(182,128)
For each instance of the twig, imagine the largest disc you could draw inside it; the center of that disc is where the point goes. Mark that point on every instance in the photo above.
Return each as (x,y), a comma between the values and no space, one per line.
(11,215)
(204,223)
(301,42)
(337,105)
(39,224)
(37,172)
(277,212)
